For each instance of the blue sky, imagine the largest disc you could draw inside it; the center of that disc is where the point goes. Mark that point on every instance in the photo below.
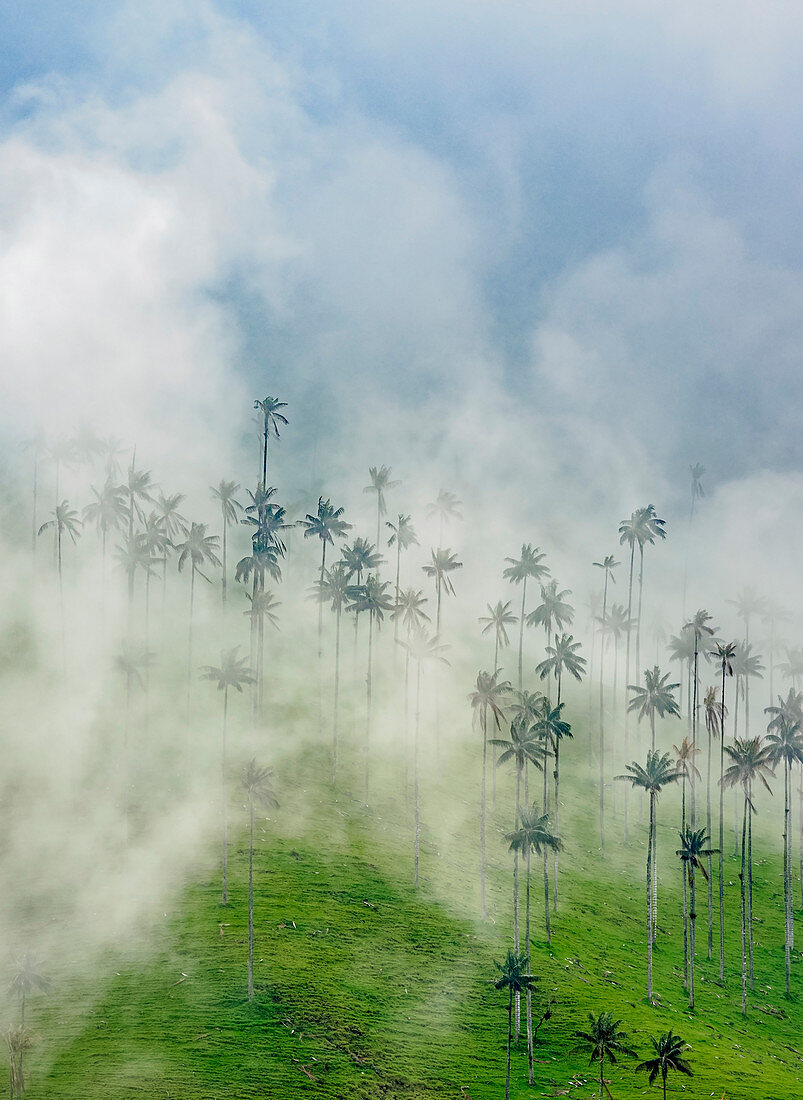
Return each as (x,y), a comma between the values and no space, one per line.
(592,209)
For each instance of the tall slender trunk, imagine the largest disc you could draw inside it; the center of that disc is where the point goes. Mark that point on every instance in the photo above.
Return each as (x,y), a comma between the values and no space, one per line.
(516,895)
(225,566)
(742,895)
(368,707)
(708,834)
(493,747)
(747,681)
(320,637)
(189,660)
(398,593)
(692,933)
(546,856)
(722,836)
(649,897)
(225,898)
(627,676)
(685,877)
(251,902)
(638,614)
(416,811)
(509,1039)
(786,875)
(693,785)
(521,628)
(750,882)
(407,725)
(482,810)
(602,749)
(529,995)
(337,697)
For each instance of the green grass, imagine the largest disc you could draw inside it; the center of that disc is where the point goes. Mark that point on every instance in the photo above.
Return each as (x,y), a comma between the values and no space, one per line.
(366,987)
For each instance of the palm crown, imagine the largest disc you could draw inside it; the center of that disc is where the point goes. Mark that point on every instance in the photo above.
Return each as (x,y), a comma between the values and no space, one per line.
(232,672)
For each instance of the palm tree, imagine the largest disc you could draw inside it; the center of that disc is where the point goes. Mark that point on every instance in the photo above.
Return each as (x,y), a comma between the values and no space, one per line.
(748,603)
(488,696)
(167,508)
(333,588)
(403,536)
(26,979)
(361,557)
(725,653)
(443,562)
(514,977)
(660,770)
(423,649)
(532,835)
(372,596)
(65,522)
(37,445)
(714,712)
(669,1049)
(271,419)
(562,657)
(380,484)
(518,572)
(197,549)
(746,666)
(497,620)
(693,848)
(232,672)
(785,745)
(751,762)
(445,509)
(224,494)
(686,753)
(606,1041)
(699,629)
(156,543)
(258,788)
(107,511)
(553,613)
(138,487)
(656,697)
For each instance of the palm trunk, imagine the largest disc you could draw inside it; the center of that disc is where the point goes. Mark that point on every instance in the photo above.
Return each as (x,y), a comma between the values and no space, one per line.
(742,895)
(493,748)
(416,811)
(189,659)
(685,905)
(320,638)
(225,567)
(602,735)
(601,1079)
(750,883)
(516,896)
(407,726)
(509,1039)
(398,593)
(225,898)
(627,675)
(251,903)
(638,615)
(557,789)
(337,698)
(786,876)
(649,897)
(708,834)
(692,933)
(722,838)
(521,629)
(482,810)
(694,737)
(529,995)
(368,707)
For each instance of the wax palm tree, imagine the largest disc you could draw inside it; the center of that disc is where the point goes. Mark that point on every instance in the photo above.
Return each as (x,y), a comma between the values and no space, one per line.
(685,753)
(442,563)
(701,632)
(27,979)
(656,697)
(37,445)
(198,548)
(445,509)
(257,785)
(423,649)
(225,494)
(669,1050)
(232,672)
(724,652)
(514,977)
(714,713)
(785,745)
(326,524)
(790,709)
(490,695)
(606,1041)
(361,557)
(650,528)
(138,489)
(659,771)
(748,605)
(272,418)
(131,662)
(498,619)
(402,536)
(380,484)
(373,597)
(693,849)
(747,666)
(108,513)
(520,748)
(553,613)
(111,451)
(167,508)
(333,589)
(532,836)
(65,522)
(519,571)
(751,763)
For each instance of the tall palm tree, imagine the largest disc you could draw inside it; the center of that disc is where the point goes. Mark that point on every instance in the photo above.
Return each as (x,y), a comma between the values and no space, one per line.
(751,763)
(359,558)
(232,672)
(442,563)
(134,554)
(650,528)
(562,657)
(257,785)
(748,604)
(272,418)
(532,835)
(445,509)
(747,666)
(167,508)
(373,597)
(697,471)
(606,1041)
(380,484)
(489,695)
(519,571)
(693,848)
(724,653)
(714,712)
(225,494)
(26,979)
(659,771)
(498,619)
(514,977)
(669,1050)
(402,536)
(423,649)
(139,489)
(65,522)
(701,632)
(685,753)
(553,613)
(198,548)
(785,745)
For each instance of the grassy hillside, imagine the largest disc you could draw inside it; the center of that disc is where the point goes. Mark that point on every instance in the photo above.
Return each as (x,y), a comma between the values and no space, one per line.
(366,987)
